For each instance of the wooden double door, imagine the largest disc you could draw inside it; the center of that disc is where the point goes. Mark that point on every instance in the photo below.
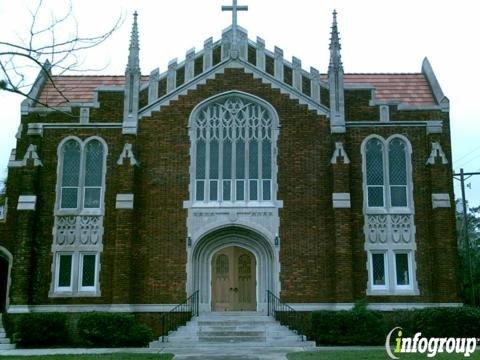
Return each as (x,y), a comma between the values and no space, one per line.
(234,280)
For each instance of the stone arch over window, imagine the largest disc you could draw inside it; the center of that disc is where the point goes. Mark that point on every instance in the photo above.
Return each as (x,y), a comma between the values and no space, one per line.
(233,150)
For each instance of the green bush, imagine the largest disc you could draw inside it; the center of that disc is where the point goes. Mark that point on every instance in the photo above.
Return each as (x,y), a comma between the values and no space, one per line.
(355,327)
(364,327)
(112,330)
(42,330)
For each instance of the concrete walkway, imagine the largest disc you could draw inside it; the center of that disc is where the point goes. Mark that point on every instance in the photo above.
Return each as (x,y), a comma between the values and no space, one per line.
(213,353)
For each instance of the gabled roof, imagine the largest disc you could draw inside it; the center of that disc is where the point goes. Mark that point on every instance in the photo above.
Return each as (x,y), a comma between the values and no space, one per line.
(411,89)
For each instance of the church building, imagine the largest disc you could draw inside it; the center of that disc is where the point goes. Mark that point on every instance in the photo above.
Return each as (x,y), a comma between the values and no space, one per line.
(234,173)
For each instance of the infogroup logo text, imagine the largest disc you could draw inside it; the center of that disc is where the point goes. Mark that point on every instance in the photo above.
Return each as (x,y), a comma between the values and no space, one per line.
(430,346)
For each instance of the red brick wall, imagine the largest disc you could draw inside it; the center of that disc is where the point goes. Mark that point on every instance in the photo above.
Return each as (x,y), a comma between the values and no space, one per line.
(154,234)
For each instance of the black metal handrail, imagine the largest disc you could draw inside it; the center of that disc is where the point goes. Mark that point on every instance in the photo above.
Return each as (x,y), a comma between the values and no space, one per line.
(287,315)
(179,315)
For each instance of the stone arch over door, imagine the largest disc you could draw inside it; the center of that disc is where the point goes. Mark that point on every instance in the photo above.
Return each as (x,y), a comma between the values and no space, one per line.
(200,260)
(6,260)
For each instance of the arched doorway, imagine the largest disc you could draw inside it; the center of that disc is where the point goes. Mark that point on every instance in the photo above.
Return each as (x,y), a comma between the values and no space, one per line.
(263,273)
(5,263)
(233,280)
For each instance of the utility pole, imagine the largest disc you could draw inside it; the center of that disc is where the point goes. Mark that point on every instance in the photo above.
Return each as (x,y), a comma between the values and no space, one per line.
(462,176)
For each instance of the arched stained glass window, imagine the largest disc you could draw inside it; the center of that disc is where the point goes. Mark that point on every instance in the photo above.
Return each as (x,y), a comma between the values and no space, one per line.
(93,174)
(233,147)
(81,175)
(387,165)
(70,174)
(397,161)
(374,168)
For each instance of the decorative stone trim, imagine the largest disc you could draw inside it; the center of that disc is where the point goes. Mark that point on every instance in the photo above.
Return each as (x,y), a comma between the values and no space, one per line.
(172,75)
(27,202)
(260,53)
(3,211)
(31,153)
(84,115)
(297,73)
(441,200)
(434,127)
(440,97)
(18,135)
(341,200)
(315,85)
(35,129)
(384,113)
(278,64)
(189,64)
(207,54)
(127,153)
(339,152)
(124,201)
(437,151)
(25,309)
(153,85)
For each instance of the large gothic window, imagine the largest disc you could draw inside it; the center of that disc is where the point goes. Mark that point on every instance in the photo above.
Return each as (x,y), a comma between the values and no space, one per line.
(78,227)
(389,216)
(233,142)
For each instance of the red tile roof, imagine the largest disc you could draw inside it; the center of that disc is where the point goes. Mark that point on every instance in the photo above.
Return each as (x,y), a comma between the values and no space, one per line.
(411,89)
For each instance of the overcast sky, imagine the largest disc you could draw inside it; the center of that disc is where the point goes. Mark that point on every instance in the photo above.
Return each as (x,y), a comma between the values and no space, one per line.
(376,36)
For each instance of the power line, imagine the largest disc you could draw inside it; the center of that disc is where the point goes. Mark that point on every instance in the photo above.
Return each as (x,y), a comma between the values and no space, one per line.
(467,154)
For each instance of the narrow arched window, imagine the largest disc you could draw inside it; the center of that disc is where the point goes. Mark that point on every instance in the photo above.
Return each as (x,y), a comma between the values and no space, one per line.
(233,147)
(375,173)
(397,165)
(93,174)
(70,175)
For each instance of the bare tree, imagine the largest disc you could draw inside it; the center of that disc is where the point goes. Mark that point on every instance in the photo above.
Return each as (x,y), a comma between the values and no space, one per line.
(53,45)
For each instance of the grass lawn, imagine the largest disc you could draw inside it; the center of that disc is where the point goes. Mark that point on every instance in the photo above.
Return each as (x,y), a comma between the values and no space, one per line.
(118,356)
(372,355)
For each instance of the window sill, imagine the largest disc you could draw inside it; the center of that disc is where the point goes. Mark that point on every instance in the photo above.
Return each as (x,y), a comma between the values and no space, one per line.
(76,212)
(250,204)
(71,294)
(394,292)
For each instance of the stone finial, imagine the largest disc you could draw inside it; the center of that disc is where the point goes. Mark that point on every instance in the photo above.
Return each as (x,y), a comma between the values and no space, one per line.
(315,85)
(127,154)
(132,83)
(335,82)
(335,46)
(134,49)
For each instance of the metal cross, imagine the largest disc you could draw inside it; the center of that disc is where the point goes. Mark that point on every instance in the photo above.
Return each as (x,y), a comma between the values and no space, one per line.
(234,9)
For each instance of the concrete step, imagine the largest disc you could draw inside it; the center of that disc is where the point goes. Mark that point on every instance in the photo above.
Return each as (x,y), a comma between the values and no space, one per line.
(231,339)
(235,345)
(231,333)
(4,340)
(7,346)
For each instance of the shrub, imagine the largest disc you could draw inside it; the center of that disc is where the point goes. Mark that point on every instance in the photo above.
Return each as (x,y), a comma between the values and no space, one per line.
(113,330)
(42,330)
(364,327)
(356,327)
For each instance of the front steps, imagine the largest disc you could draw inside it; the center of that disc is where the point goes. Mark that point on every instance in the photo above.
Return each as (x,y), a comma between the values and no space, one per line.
(4,341)
(232,330)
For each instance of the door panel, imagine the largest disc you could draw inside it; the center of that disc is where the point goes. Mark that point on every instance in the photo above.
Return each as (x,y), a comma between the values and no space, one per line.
(233,280)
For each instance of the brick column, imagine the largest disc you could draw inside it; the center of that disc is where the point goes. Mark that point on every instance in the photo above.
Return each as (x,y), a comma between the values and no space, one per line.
(443,238)
(125,225)
(342,224)
(24,177)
